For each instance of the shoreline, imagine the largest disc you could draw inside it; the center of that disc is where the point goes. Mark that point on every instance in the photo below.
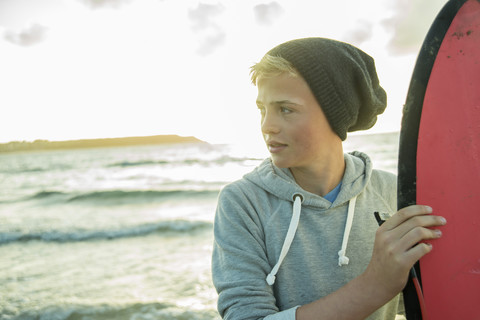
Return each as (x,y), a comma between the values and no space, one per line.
(46,145)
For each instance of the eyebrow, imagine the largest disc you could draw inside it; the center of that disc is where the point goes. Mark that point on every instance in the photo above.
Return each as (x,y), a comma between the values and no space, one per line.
(260,103)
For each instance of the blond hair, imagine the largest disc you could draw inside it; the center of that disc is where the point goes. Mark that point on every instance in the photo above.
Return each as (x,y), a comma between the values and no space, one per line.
(271,66)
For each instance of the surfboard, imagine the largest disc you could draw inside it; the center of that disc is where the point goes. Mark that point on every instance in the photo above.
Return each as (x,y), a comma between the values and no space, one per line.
(439,162)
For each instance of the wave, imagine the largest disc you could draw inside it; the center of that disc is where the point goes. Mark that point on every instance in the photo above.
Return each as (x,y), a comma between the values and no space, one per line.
(189,161)
(35,169)
(124,164)
(47,194)
(120,196)
(160,311)
(163,227)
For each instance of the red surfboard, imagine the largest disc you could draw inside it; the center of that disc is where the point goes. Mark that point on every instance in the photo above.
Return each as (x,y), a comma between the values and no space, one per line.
(439,162)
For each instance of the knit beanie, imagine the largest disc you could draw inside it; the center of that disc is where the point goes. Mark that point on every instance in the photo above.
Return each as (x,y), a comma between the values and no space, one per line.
(342,78)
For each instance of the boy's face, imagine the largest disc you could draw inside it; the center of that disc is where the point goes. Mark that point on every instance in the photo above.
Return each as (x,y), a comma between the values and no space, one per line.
(294,127)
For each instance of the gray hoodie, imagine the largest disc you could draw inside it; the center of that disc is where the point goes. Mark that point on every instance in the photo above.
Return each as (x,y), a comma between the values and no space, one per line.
(251,223)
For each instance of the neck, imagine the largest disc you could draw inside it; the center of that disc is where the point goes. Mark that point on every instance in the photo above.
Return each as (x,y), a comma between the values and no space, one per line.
(322,178)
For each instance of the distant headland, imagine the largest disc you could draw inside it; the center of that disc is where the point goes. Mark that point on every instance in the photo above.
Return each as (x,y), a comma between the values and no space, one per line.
(43,145)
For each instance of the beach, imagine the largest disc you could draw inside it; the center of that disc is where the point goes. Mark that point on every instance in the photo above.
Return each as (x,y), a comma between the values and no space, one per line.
(121,232)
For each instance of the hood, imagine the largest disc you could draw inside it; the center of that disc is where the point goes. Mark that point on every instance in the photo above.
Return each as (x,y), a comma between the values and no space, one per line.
(281,183)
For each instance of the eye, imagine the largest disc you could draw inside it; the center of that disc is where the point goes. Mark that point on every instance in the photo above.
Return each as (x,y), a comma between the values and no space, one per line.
(285,110)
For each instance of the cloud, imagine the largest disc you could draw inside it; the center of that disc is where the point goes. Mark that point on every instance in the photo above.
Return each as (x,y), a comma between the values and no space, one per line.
(211,35)
(96,4)
(28,36)
(410,24)
(202,16)
(266,14)
(361,32)
(210,43)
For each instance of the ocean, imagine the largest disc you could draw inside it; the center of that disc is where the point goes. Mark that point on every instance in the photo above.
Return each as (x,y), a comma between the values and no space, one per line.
(121,232)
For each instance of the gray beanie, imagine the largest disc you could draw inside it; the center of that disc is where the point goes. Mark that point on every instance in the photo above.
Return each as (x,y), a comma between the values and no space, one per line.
(342,78)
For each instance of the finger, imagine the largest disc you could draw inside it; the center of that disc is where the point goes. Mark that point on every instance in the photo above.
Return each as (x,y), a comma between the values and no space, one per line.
(416,235)
(412,212)
(418,225)
(417,252)
(405,214)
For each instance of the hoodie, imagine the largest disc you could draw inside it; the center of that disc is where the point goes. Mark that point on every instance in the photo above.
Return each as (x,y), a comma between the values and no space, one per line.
(278,246)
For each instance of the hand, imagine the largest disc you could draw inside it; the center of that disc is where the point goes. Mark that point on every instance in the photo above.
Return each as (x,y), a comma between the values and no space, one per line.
(398,245)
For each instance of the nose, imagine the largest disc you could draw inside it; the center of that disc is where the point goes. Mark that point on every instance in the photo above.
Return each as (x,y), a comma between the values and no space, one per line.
(270,124)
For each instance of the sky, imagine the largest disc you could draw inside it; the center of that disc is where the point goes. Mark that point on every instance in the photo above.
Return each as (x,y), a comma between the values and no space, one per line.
(84,69)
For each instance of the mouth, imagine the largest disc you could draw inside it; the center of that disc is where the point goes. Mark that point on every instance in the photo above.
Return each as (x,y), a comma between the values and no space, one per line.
(275,147)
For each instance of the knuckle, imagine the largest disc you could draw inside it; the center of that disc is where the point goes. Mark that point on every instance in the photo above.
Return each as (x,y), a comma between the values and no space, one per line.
(425,247)
(417,233)
(404,264)
(421,233)
(403,215)
(391,252)
(410,211)
(417,221)
(383,237)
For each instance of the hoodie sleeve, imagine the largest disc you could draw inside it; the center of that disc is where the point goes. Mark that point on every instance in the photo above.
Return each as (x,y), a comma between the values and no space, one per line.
(239,261)
(385,185)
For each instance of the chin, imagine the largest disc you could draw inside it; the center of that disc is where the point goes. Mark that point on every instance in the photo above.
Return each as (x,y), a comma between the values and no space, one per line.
(280,163)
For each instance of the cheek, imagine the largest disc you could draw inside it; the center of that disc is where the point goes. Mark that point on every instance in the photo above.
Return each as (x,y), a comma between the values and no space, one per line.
(307,139)
(306,132)
(309,146)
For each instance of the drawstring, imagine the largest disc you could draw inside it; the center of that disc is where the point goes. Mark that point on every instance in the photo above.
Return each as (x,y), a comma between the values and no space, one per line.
(292,228)
(342,258)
